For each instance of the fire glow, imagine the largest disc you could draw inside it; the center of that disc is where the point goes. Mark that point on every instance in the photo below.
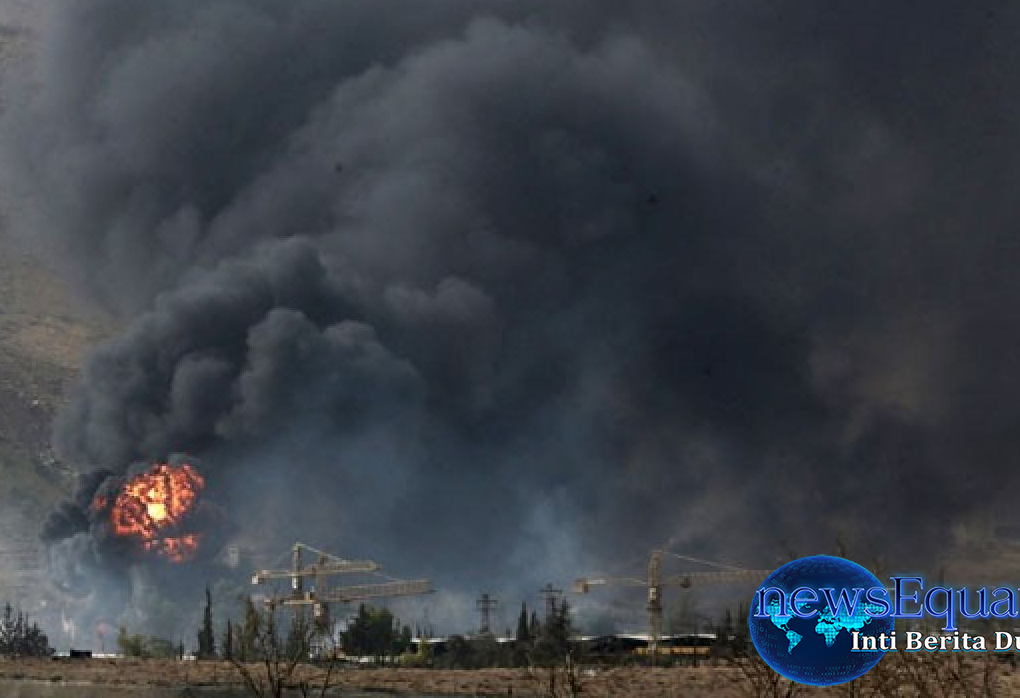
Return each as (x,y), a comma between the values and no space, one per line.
(152,505)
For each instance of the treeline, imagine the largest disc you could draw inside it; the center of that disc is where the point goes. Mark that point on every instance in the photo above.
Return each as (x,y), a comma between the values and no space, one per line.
(372,632)
(375,632)
(732,635)
(258,634)
(147,646)
(542,643)
(20,638)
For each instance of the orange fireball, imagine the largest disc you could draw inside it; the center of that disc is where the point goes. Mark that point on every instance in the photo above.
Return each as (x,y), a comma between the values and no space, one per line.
(151,504)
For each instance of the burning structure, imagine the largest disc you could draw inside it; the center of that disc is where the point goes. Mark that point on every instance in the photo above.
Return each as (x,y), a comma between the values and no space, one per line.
(152,511)
(151,507)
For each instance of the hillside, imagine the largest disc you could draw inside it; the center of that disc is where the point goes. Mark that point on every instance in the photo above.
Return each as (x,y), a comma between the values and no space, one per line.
(43,336)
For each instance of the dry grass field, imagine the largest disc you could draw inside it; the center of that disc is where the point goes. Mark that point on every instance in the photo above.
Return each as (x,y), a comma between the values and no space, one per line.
(918,675)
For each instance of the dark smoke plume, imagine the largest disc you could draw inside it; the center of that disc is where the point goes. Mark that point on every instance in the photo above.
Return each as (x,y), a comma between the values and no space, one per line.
(501,293)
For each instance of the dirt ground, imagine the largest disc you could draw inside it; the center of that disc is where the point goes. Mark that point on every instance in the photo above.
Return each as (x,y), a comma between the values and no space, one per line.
(928,676)
(639,682)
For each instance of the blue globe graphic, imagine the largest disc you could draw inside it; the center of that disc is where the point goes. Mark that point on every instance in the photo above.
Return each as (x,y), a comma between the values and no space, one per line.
(817,651)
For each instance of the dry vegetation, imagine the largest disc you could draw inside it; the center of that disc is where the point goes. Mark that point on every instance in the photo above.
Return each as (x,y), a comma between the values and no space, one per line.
(917,675)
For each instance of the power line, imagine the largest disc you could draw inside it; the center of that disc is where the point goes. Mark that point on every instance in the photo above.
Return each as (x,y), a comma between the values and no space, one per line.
(485,605)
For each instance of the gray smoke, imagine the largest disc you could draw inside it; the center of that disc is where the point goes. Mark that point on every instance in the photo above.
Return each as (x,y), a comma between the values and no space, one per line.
(503,293)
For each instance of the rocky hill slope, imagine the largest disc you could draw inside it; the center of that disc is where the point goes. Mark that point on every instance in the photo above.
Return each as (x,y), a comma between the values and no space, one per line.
(44,331)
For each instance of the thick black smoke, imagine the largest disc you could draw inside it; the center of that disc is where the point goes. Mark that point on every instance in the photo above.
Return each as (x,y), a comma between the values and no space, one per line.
(501,293)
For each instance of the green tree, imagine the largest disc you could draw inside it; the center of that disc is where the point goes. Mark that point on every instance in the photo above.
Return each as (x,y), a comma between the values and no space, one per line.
(228,642)
(458,654)
(553,642)
(741,631)
(279,657)
(206,637)
(371,633)
(485,652)
(250,631)
(141,646)
(425,649)
(523,631)
(522,643)
(404,643)
(159,648)
(130,645)
(35,643)
(21,638)
(299,637)
(8,631)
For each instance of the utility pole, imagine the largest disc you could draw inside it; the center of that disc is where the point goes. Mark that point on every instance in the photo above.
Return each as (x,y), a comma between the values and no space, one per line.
(654,606)
(551,595)
(485,605)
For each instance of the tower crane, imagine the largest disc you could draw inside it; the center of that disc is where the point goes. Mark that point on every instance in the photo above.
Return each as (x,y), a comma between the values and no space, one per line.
(325,565)
(726,574)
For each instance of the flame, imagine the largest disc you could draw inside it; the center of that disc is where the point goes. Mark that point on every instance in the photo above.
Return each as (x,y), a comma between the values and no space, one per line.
(155,501)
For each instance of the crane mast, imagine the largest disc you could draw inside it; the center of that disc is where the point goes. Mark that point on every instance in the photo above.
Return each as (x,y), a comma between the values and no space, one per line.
(655,581)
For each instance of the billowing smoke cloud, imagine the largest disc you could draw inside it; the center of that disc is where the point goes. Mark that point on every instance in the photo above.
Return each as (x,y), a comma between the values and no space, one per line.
(500,293)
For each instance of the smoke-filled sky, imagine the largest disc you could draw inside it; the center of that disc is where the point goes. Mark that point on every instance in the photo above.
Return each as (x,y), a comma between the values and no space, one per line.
(500,293)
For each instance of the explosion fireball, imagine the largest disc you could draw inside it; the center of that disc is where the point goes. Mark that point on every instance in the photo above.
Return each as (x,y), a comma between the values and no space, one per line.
(151,506)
